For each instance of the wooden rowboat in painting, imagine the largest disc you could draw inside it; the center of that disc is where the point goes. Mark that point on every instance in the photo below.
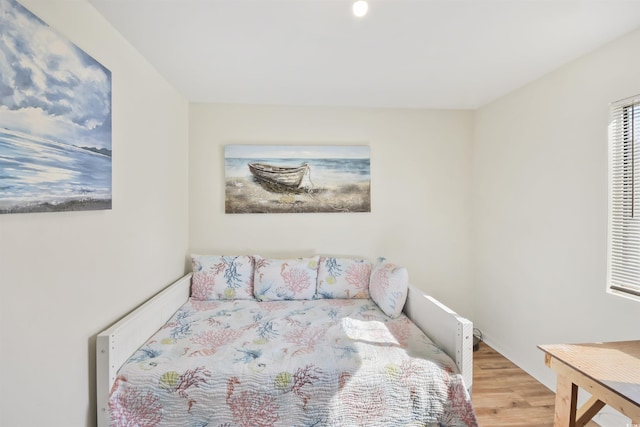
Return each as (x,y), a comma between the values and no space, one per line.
(286,176)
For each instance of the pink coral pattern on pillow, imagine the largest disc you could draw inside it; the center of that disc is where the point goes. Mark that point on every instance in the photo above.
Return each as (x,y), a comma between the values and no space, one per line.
(285,279)
(389,286)
(343,278)
(221,277)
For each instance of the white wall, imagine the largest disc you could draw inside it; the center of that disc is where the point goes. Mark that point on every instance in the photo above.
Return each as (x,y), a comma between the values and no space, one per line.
(420,195)
(539,219)
(66,276)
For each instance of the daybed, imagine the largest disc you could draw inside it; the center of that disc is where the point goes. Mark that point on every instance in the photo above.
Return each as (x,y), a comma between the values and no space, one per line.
(319,341)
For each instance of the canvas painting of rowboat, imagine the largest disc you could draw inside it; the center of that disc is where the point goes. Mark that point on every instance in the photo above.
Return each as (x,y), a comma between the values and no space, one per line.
(297,179)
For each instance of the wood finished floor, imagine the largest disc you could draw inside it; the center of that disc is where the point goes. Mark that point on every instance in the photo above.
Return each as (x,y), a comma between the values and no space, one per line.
(504,395)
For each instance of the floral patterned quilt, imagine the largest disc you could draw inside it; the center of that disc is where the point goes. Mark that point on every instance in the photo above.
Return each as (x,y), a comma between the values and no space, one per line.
(326,362)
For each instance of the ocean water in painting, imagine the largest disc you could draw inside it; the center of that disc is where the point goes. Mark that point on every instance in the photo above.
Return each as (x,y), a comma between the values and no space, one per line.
(36,171)
(323,172)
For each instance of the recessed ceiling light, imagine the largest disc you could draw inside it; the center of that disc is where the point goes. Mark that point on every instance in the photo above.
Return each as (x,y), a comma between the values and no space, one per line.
(360,8)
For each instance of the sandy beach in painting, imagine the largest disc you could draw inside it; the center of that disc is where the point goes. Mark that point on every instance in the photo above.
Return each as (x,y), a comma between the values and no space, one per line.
(250,196)
(66,206)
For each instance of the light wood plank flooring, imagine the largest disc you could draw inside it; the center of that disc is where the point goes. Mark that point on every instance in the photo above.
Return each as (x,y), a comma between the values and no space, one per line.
(505,395)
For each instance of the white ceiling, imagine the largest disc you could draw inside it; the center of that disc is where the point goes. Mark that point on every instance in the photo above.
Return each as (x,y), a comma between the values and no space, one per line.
(403,53)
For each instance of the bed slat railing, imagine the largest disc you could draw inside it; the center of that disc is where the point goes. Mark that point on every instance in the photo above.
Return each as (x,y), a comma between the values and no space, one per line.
(448,330)
(116,344)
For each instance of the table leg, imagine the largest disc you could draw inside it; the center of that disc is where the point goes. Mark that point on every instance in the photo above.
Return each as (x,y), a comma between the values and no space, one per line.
(588,411)
(566,403)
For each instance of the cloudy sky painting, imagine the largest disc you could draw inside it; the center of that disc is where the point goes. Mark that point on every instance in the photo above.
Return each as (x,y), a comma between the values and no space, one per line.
(55,119)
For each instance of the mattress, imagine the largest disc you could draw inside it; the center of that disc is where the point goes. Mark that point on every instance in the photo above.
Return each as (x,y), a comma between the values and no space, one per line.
(325,362)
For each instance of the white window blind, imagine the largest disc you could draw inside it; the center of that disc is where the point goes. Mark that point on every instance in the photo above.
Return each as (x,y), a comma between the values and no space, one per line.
(623,270)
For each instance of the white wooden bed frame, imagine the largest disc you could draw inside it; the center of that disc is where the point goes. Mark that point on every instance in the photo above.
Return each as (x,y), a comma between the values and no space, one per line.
(114,346)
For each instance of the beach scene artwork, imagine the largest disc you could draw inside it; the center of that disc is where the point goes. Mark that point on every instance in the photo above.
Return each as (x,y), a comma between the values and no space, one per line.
(297,179)
(55,120)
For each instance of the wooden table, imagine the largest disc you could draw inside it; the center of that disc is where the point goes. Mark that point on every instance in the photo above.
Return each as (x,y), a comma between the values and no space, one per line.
(610,372)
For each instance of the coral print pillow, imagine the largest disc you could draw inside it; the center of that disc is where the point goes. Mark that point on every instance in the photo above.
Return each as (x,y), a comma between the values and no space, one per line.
(285,279)
(388,287)
(343,278)
(221,277)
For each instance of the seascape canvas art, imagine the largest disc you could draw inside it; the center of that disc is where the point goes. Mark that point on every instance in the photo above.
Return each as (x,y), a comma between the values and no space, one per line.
(55,120)
(297,179)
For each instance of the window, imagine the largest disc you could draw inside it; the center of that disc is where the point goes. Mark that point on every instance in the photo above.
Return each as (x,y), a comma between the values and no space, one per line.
(623,269)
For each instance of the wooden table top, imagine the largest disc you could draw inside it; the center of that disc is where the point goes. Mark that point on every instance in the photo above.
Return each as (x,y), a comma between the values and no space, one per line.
(615,365)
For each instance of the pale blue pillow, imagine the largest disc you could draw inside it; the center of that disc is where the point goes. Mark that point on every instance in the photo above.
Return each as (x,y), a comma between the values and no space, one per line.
(389,286)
